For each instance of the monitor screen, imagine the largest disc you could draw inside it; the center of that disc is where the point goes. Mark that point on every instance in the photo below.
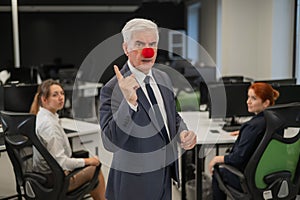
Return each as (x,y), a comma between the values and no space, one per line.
(18,98)
(288,94)
(278,82)
(26,75)
(228,100)
(201,77)
(205,74)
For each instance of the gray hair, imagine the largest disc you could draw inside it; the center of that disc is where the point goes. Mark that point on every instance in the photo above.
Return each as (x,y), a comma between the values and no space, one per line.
(138,24)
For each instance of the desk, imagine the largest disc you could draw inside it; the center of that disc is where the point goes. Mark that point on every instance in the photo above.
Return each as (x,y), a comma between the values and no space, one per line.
(200,123)
(85,89)
(80,96)
(85,136)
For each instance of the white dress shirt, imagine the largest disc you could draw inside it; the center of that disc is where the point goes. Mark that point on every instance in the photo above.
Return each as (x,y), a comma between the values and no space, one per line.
(52,135)
(140,77)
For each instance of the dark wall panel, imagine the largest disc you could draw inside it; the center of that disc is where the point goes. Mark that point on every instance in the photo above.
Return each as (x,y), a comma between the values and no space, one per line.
(6,40)
(47,37)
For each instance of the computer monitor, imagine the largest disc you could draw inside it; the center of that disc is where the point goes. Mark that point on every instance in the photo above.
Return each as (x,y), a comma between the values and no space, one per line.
(288,94)
(47,71)
(18,98)
(26,75)
(229,101)
(235,96)
(278,82)
(206,74)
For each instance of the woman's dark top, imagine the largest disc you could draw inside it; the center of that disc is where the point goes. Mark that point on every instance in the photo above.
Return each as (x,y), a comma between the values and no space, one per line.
(250,135)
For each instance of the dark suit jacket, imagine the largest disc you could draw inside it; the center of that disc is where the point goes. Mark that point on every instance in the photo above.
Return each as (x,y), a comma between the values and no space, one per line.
(140,154)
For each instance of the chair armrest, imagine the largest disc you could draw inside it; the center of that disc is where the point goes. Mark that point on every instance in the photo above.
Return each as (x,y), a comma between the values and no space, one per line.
(277,176)
(238,173)
(232,170)
(16,140)
(80,154)
(36,176)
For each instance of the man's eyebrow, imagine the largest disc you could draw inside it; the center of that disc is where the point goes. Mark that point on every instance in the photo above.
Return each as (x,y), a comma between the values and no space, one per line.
(140,42)
(151,43)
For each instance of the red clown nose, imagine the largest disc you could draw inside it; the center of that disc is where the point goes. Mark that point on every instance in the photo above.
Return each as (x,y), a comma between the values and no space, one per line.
(148,52)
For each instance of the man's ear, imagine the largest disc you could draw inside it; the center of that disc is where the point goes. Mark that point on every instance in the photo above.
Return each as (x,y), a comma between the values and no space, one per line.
(125,48)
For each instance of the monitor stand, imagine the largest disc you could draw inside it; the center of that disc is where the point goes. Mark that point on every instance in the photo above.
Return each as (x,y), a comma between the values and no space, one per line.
(231,126)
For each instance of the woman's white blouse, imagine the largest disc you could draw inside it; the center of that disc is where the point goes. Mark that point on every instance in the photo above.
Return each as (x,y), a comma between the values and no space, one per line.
(52,135)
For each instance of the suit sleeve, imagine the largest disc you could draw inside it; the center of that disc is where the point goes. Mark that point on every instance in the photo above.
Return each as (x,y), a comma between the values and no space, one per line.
(115,118)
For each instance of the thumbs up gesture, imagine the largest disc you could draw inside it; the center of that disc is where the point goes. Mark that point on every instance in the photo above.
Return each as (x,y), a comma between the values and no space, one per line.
(128,86)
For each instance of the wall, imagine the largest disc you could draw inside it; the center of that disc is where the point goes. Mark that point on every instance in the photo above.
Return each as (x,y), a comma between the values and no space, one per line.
(257,38)
(208,27)
(283,35)
(46,36)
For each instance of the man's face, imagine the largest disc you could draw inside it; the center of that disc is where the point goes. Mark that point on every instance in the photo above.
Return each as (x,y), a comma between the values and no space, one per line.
(133,49)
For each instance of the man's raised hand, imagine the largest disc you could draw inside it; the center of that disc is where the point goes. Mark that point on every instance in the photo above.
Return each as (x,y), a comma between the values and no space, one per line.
(128,86)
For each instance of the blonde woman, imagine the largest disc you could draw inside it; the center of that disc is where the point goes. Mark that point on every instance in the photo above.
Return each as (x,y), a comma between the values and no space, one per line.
(49,99)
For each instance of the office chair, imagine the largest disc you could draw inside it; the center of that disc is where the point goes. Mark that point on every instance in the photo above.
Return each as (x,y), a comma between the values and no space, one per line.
(20,139)
(273,172)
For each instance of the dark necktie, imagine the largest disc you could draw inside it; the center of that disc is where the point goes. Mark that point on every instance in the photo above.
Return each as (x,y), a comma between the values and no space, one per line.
(158,114)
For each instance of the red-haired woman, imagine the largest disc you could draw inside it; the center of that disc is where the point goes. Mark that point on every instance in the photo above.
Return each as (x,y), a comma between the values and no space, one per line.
(260,96)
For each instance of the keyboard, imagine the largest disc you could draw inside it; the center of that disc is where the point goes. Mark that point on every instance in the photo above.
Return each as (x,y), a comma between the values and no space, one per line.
(231,128)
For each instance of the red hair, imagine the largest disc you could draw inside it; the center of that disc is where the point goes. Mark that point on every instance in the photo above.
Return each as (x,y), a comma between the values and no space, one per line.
(265,91)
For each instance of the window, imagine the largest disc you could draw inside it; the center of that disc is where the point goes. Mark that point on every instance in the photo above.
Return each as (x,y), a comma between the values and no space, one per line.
(177,45)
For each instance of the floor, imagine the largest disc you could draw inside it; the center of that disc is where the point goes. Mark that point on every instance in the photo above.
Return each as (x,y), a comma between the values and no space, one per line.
(7,184)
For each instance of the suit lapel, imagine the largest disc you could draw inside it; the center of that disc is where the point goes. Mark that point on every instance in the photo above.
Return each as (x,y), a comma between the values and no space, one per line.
(145,104)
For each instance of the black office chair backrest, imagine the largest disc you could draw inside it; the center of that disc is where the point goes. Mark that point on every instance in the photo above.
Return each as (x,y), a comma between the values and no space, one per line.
(274,169)
(20,139)
(20,135)
(18,146)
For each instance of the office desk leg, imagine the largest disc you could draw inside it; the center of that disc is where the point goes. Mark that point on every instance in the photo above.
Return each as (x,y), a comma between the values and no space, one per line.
(199,169)
(183,176)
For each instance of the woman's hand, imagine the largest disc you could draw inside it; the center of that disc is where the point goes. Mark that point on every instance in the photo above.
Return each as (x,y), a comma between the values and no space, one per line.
(234,133)
(215,160)
(94,161)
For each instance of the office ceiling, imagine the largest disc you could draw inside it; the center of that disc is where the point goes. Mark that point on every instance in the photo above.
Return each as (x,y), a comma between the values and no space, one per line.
(80,5)
(85,2)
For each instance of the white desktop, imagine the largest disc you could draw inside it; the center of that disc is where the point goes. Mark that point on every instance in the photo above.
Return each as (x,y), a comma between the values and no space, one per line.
(209,135)
(87,136)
